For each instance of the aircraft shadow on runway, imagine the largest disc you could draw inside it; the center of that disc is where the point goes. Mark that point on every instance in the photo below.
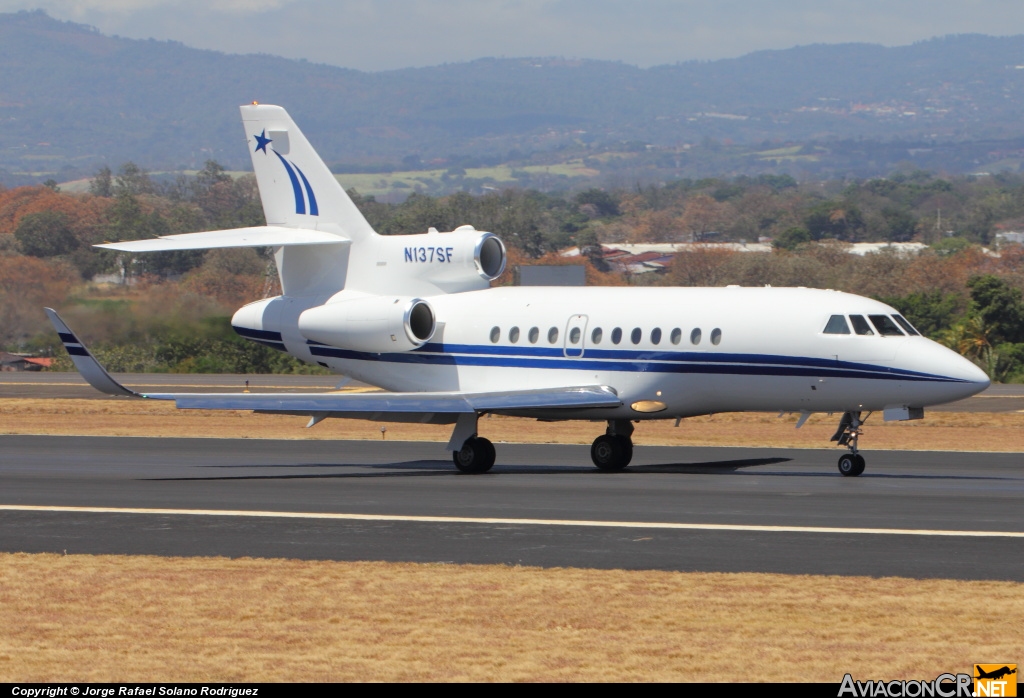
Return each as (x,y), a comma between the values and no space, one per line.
(434,468)
(444,468)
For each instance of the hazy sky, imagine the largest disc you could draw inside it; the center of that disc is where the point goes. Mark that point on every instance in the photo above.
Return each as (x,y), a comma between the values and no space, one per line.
(384,34)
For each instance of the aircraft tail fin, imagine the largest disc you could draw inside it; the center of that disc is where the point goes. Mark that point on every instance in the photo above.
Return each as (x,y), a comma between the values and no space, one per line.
(296,187)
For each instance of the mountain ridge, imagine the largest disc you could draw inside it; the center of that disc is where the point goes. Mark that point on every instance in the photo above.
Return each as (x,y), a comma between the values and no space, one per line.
(72,98)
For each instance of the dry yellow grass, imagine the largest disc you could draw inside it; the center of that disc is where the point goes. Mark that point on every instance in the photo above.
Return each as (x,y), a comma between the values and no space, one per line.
(939,431)
(111,618)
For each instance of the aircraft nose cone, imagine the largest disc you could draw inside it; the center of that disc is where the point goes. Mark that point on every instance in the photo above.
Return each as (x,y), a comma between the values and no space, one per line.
(960,378)
(975,375)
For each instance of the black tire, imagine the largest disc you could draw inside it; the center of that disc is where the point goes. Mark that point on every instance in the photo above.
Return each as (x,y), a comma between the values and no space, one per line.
(607,453)
(476,456)
(848,465)
(487,456)
(627,449)
(859,464)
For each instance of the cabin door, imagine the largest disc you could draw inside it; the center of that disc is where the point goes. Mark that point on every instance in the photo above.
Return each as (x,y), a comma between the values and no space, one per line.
(575,336)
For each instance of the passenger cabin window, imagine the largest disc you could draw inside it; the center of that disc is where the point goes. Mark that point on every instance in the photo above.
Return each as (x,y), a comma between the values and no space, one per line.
(495,334)
(534,335)
(837,325)
(596,335)
(656,335)
(695,336)
(906,325)
(860,325)
(677,335)
(616,335)
(513,335)
(716,336)
(885,326)
(636,335)
(553,335)
(574,335)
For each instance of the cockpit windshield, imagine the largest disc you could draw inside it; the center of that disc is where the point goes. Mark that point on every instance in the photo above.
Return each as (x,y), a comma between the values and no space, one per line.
(906,325)
(837,325)
(860,325)
(886,326)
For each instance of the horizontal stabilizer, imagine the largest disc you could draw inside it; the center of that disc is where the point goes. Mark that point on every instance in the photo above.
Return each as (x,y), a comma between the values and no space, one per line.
(262,236)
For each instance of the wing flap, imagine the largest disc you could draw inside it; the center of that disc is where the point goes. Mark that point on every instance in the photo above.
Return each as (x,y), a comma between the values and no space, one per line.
(262,236)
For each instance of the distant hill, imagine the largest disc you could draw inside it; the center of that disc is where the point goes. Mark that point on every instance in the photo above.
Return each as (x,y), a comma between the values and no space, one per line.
(72,99)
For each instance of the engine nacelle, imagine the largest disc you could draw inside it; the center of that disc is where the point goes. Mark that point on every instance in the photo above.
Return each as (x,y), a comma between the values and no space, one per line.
(462,260)
(377,324)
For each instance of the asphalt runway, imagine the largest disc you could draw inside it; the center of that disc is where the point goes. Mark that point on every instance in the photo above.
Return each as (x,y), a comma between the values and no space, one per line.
(997,398)
(913,514)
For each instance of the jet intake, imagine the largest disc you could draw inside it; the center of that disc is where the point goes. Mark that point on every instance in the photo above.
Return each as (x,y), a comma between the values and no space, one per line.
(489,256)
(376,324)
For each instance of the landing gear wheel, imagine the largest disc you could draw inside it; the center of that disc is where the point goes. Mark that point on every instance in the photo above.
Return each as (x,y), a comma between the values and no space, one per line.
(851,464)
(476,456)
(611,453)
(627,449)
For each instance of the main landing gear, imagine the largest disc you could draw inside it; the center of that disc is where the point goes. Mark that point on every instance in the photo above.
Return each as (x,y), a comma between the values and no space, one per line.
(612,451)
(850,464)
(476,455)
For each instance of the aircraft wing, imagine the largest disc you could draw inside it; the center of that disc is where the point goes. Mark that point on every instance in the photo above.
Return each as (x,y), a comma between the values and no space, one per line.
(261,236)
(337,404)
(381,402)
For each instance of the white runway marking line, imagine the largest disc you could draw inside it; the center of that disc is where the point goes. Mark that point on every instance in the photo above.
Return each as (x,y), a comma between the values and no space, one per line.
(515,522)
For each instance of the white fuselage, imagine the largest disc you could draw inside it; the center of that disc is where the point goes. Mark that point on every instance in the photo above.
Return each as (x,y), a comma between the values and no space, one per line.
(719,350)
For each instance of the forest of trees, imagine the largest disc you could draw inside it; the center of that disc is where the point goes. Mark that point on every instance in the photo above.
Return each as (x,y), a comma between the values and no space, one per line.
(169,311)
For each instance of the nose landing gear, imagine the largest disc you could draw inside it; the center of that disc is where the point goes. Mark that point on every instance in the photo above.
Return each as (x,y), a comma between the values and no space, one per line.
(850,464)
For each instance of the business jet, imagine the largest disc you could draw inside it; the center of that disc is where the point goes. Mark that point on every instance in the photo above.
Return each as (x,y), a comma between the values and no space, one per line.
(416,316)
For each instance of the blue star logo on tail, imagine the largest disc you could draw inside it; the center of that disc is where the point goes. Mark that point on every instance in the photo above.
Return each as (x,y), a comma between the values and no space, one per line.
(262,141)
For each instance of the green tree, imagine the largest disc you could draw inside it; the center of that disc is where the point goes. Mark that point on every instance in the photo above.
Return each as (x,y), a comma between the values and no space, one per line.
(791,238)
(834,219)
(932,313)
(999,306)
(600,199)
(46,234)
(132,180)
(102,183)
(900,225)
(972,338)
(212,173)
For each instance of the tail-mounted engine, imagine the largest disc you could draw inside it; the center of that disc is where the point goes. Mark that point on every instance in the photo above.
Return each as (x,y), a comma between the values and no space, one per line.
(465,259)
(377,324)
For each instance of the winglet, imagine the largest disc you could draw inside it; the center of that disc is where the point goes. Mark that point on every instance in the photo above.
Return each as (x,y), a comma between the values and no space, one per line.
(85,362)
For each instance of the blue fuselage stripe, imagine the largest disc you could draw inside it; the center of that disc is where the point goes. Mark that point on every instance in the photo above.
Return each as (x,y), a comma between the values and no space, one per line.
(250,333)
(639,362)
